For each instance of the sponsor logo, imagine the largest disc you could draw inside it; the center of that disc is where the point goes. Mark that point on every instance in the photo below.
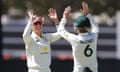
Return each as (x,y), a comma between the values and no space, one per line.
(44,50)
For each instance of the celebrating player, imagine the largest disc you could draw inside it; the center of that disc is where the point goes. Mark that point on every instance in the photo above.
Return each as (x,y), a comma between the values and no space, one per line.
(83,44)
(37,44)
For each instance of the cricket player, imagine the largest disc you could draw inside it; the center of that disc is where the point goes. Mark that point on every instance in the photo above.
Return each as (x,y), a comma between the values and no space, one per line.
(37,44)
(83,44)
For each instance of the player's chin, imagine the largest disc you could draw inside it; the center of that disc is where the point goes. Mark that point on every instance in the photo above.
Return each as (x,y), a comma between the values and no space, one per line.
(39,29)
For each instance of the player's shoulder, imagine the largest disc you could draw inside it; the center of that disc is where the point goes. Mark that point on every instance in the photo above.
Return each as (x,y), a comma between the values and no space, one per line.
(48,35)
(93,33)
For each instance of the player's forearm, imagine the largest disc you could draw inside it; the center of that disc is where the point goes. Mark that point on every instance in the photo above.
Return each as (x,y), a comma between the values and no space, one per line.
(93,23)
(28,28)
(63,32)
(56,25)
(61,26)
(63,22)
(54,37)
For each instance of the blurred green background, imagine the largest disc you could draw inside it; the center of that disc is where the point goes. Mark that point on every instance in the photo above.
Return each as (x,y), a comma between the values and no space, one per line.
(41,6)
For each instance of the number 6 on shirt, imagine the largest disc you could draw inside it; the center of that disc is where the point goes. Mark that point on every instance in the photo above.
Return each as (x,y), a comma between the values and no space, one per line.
(88,51)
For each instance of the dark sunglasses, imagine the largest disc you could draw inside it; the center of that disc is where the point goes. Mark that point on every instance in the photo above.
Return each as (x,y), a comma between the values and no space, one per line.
(38,22)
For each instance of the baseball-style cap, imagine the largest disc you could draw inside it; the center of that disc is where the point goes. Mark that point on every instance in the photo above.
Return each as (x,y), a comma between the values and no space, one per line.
(82,21)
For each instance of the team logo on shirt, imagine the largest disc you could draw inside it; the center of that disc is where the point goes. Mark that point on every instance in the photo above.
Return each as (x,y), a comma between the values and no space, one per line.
(44,50)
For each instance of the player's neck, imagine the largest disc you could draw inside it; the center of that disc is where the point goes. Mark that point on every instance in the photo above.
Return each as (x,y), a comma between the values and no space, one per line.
(79,32)
(38,33)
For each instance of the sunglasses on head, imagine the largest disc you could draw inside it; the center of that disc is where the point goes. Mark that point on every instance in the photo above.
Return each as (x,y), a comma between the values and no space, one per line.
(38,22)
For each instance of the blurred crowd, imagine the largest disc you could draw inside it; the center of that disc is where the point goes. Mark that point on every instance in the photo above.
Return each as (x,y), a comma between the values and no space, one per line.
(14,11)
(18,17)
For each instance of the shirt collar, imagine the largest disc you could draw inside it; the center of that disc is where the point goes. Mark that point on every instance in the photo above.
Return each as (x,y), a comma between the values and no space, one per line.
(36,36)
(84,33)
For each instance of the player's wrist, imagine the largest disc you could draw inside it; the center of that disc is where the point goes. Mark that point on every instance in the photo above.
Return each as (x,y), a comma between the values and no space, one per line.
(64,19)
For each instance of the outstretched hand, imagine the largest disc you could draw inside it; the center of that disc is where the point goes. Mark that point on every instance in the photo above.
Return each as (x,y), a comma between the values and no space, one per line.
(53,15)
(30,14)
(35,18)
(67,12)
(85,9)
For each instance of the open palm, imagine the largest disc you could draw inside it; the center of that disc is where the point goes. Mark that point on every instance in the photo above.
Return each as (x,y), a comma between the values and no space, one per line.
(53,15)
(67,12)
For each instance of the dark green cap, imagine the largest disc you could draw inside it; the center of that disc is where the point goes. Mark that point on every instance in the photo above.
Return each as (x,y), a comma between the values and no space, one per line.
(82,21)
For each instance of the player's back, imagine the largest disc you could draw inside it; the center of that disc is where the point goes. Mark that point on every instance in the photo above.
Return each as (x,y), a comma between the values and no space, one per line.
(84,50)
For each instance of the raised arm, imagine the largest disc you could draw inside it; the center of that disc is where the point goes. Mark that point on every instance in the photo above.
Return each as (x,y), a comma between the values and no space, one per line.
(94,25)
(53,16)
(85,12)
(61,28)
(28,28)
